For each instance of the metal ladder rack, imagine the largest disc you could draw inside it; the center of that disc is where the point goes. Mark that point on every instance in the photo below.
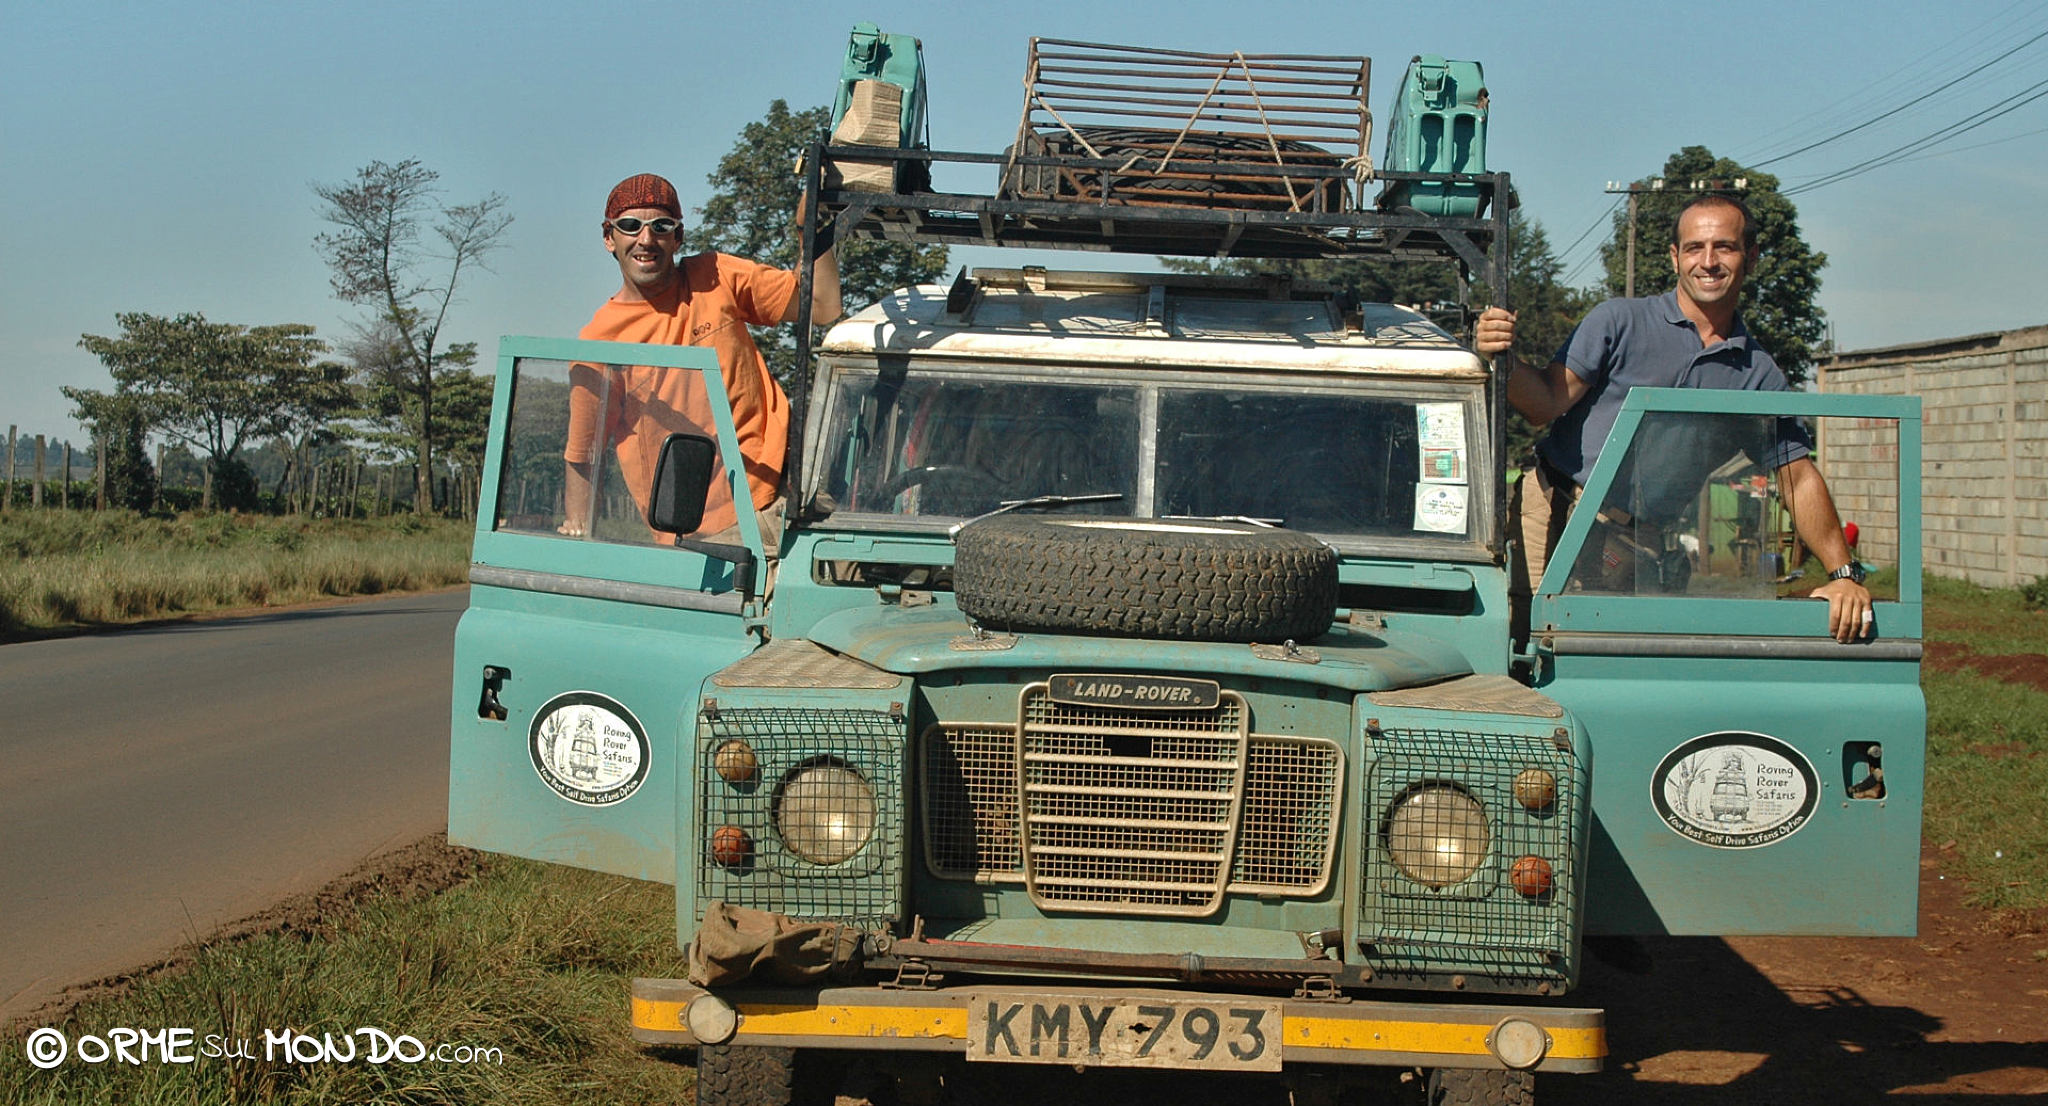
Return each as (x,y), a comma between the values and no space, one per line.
(1108,222)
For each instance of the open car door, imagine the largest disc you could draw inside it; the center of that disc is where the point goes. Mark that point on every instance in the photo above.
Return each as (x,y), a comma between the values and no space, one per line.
(588,635)
(1751,774)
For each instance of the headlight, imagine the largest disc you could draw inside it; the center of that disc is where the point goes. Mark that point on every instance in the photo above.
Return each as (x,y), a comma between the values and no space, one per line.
(825,812)
(1436,833)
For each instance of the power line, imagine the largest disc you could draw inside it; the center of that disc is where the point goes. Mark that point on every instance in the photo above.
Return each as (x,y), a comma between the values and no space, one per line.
(1590,228)
(1886,115)
(1972,146)
(1960,127)
(1886,83)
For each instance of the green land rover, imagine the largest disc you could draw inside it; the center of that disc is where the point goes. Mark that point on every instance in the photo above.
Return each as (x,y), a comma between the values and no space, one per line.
(1132,685)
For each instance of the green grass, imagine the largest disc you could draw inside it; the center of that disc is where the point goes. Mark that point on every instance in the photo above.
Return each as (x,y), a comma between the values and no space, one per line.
(526,958)
(1987,748)
(65,570)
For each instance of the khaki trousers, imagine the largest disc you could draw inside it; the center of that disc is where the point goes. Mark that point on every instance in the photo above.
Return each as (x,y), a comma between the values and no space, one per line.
(1540,509)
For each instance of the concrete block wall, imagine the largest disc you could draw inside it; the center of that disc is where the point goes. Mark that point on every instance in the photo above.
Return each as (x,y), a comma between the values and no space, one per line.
(1984,453)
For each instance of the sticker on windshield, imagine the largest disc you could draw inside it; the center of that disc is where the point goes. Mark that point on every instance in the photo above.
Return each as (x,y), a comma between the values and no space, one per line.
(588,748)
(1735,790)
(1441,425)
(1443,466)
(1440,508)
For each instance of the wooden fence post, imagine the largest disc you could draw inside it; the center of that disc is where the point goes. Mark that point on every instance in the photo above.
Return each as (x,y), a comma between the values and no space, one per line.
(36,497)
(7,504)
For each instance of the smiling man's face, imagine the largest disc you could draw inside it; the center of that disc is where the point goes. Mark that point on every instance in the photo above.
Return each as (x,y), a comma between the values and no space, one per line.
(647,260)
(1709,257)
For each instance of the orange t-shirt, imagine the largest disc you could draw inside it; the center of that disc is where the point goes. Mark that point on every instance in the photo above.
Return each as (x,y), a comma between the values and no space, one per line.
(717,299)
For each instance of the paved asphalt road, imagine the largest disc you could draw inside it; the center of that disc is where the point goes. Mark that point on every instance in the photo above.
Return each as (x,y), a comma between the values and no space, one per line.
(157,783)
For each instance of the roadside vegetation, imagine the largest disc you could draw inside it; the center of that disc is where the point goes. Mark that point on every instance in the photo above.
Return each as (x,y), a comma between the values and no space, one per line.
(1987,743)
(533,959)
(70,570)
(526,959)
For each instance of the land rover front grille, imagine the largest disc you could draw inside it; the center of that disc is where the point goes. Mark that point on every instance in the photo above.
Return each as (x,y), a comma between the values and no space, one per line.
(1103,810)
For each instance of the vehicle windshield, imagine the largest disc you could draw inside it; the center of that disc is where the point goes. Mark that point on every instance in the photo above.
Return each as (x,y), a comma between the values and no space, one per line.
(953,445)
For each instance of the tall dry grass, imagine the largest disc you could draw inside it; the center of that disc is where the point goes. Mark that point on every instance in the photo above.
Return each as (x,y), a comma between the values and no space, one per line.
(62,570)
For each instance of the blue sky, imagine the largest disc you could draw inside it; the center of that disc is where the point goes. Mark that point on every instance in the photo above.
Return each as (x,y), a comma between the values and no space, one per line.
(158,157)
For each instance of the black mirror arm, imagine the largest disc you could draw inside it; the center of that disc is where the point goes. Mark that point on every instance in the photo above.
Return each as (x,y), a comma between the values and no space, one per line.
(739,556)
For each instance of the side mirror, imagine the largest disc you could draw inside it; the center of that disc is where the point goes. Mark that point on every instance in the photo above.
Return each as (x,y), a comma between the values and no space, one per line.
(682,481)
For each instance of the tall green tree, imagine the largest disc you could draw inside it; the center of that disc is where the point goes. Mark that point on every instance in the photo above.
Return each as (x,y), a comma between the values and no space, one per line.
(1778,302)
(119,434)
(402,253)
(752,213)
(215,386)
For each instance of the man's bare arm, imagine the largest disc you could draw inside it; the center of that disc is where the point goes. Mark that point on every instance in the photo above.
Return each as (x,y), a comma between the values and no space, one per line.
(1539,394)
(1813,515)
(575,499)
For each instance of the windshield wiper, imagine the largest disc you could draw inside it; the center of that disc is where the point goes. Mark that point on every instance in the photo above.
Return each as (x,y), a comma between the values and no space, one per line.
(1036,502)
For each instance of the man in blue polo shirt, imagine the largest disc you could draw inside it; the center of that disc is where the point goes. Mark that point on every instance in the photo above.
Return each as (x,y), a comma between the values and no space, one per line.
(1689,337)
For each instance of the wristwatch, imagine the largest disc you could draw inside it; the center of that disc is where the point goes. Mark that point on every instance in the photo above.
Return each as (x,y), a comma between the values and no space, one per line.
(1852,571)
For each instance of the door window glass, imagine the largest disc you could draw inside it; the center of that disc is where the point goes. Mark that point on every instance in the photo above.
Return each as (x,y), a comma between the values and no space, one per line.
(581,446)
(1699,508)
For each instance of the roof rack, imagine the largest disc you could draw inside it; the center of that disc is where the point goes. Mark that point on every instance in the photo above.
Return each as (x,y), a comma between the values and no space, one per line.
(1102,205)
(1308,205)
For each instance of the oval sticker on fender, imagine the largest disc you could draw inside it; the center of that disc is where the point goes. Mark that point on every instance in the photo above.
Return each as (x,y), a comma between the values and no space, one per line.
(588,748)
(1735,790)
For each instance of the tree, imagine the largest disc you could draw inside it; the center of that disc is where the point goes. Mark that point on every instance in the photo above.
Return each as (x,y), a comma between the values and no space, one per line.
(216,386)
(752,213)
(379,261)
(1778,300)
(119,432)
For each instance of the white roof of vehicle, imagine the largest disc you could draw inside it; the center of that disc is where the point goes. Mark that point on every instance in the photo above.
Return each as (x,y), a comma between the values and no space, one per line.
(1128,319)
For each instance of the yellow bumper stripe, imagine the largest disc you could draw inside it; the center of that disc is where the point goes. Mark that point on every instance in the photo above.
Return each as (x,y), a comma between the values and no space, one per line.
(819,1021)
(1440,1038)
(1298,1031)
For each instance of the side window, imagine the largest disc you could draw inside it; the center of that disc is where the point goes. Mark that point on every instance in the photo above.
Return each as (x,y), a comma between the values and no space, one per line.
(582,442)
(1698,507)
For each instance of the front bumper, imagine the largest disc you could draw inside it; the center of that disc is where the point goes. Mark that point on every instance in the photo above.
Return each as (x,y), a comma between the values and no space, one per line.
(1402,1034)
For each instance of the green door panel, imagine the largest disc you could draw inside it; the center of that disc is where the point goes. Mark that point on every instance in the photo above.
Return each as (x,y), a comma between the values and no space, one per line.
(644,664)
(1750,774)
(580,661)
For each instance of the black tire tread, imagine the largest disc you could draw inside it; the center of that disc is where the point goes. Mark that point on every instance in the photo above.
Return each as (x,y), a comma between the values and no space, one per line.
(1480,1087)
(1015,572)
(745,1075)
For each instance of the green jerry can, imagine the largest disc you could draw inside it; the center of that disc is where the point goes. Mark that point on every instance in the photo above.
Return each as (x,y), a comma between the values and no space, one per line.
(1439,126)
(880,102)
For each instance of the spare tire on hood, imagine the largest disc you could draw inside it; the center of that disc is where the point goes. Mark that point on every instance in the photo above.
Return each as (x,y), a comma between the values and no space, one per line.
(1176,579)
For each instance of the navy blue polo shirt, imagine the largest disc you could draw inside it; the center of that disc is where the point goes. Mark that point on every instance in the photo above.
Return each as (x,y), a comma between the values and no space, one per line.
(1648,342)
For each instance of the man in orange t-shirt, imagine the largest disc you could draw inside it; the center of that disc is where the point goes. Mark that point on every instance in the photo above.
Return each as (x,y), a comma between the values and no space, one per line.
(707,299)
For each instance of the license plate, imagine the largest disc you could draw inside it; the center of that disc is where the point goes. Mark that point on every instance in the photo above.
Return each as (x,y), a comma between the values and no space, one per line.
(1137,1032)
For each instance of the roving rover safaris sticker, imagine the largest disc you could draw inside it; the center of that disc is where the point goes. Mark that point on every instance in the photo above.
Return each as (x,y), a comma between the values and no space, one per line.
(588,748)
(1735,790)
